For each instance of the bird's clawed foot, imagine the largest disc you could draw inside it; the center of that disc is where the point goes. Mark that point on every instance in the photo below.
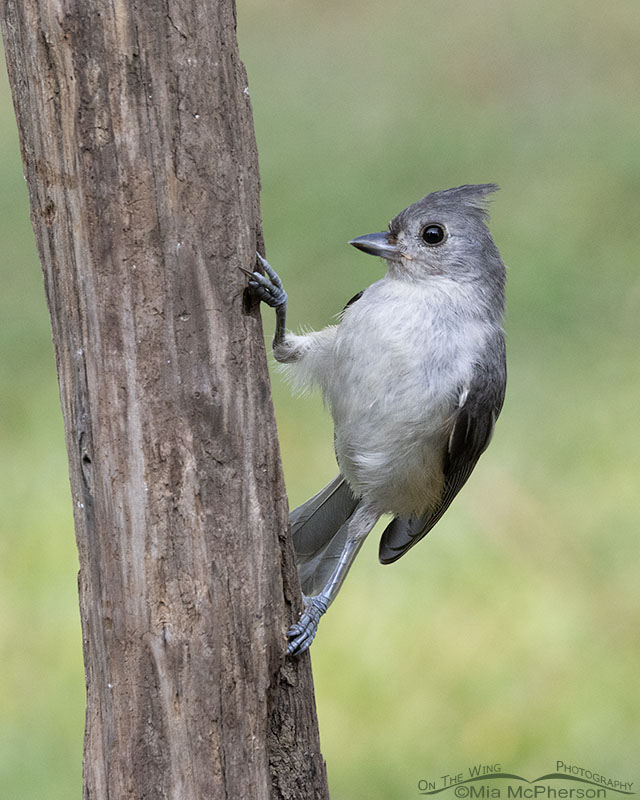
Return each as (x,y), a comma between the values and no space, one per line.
(267,287)
(303,632)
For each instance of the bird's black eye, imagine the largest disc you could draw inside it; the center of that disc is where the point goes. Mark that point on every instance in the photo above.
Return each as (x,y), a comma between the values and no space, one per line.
(433,234)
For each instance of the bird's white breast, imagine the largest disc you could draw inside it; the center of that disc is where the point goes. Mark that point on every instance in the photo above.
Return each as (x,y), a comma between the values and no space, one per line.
(400,357)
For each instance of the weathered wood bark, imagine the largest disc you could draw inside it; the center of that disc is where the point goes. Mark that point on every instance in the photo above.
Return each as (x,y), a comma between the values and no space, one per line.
(138,148)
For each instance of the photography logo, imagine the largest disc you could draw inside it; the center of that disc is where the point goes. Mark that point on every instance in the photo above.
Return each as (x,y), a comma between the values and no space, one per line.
(490,782)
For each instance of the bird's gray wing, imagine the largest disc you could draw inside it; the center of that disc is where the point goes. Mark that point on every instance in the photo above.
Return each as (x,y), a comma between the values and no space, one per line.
(470,435)
(318,529)
(353,300)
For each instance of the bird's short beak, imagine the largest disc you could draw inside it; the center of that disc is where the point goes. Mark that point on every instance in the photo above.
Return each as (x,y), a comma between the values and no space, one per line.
(377,244)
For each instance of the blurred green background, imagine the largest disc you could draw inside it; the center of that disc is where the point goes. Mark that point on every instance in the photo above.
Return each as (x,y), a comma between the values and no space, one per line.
(510,635)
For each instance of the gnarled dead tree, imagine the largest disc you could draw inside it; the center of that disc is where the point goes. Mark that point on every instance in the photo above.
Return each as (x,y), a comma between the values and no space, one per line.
(139,153)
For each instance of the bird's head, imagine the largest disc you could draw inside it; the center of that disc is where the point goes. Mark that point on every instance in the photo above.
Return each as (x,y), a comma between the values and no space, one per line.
(445,233)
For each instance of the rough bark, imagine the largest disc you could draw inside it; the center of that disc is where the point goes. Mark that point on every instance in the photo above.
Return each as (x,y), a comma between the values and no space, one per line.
(139,154)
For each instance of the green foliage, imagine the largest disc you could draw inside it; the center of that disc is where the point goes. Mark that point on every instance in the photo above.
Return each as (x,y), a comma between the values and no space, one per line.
(510,634)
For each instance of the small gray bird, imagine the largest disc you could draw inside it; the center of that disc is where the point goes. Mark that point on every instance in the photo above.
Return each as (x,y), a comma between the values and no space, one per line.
(414,375)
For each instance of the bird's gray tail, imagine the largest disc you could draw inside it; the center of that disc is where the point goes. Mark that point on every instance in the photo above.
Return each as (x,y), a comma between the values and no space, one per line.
(319,530)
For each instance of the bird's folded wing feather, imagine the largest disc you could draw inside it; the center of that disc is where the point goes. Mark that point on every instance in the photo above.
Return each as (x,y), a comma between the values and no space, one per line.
(470,436)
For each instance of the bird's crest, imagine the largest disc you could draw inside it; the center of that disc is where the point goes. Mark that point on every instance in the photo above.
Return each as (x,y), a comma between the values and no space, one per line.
(470,195)
(474,197)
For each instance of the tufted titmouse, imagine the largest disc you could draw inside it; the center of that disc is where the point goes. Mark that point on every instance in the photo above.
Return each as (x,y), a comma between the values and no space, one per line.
(414,375)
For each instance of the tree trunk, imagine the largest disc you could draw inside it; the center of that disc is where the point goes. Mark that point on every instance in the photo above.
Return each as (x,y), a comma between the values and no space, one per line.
(139,153)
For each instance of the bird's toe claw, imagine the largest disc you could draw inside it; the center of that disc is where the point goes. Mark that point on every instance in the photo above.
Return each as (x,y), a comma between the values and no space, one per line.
(267,287)
(302,634)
